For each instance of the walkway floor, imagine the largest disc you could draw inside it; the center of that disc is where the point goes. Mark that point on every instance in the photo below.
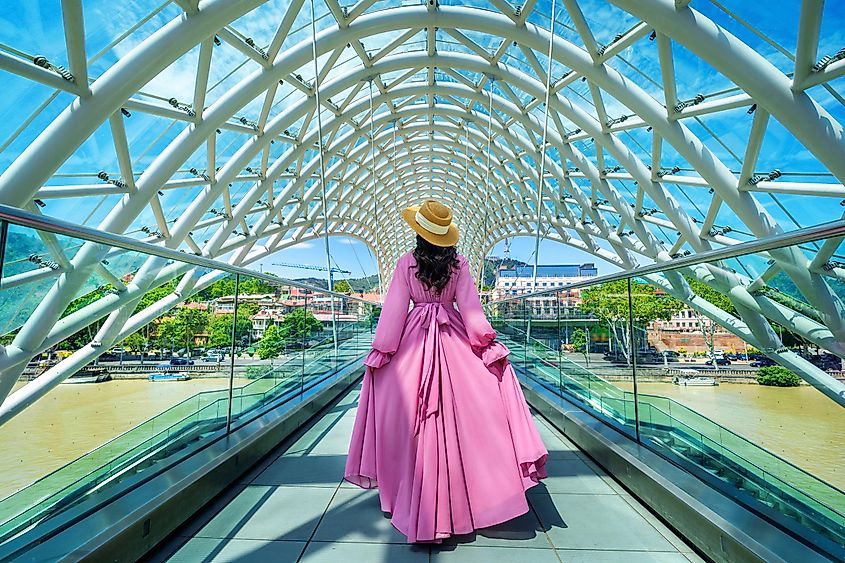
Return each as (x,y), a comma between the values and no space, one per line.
(295,506)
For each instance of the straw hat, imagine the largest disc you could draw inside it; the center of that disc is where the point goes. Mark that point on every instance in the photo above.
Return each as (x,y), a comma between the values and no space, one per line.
(432,221)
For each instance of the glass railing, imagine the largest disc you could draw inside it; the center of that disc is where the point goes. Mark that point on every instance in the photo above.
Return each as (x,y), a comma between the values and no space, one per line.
(151,358)
(746,392)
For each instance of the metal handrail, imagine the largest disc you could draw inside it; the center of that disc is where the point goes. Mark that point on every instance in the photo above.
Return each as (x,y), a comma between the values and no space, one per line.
(799,236)
(17,216)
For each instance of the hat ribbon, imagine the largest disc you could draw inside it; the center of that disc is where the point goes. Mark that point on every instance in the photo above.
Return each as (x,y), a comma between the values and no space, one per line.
(429,226)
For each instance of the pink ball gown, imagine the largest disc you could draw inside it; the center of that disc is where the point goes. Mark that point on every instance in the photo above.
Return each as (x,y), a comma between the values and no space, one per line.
(442,427)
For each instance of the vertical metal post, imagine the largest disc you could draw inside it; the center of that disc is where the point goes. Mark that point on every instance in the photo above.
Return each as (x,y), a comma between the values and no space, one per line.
(633,353)
(542,174)
(318,109)
(375,190)
(232,359)
(559,347)
(483,237)
(4,235)
(302,368)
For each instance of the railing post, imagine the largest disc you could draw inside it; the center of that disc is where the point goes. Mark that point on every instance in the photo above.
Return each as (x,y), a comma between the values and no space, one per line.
(302,367)
(232,359)
(4,234)
(633,352)
(559,347)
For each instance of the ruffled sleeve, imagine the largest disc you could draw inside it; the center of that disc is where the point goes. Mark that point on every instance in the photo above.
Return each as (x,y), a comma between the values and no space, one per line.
(376,359)
(391,322)
(482,336)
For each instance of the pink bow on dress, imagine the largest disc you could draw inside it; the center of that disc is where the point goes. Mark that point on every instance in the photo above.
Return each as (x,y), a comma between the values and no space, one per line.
(434,315)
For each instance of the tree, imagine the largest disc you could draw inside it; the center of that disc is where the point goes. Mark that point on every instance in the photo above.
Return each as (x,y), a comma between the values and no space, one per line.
(180,329)
(155,295)
(248,309)
(191,322)
(272,344)
(342,286)
(255,286)
(706,325)
(83,336)
(135,342)
(609,302)
(299,323)
(578,340)
(220,329)
(167,333)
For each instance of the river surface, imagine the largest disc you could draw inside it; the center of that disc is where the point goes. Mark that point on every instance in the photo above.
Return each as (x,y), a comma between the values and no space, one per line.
(73,419)
(798,424)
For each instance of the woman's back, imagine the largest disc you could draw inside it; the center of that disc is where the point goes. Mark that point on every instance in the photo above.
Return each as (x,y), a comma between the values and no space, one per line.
(419,293)
(442,427)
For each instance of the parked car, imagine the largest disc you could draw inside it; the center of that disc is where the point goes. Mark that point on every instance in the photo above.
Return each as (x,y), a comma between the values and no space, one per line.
(719,362)
(181,362)
(761,363)
(213,357)
(827,362)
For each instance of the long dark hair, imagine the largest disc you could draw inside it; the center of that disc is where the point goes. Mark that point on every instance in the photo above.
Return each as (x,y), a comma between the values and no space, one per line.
(434,264)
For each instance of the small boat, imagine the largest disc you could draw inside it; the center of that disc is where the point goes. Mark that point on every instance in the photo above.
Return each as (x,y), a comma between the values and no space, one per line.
(698,381)
(89,375)
(177,376)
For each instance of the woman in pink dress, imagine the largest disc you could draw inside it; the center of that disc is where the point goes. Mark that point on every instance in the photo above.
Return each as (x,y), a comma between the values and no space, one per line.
(442,427)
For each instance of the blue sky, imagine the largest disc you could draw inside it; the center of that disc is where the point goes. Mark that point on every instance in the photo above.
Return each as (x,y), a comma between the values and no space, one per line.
(34,27)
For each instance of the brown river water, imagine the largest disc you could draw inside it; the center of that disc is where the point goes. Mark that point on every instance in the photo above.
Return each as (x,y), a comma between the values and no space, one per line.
(798,424)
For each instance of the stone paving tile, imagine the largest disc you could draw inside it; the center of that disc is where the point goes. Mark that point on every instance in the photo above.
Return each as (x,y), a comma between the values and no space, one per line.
(299,499)
(667,533)
(522,531)
(313,470)
(336,552)
(220,550)
(571,476)
(597,522)
(355,515)
(489,554)
(606,556)
(270,513)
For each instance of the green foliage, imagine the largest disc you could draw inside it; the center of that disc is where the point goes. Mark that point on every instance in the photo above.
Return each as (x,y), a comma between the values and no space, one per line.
(256,372)
(299,323)
(220,329)
(777,376)
(154,295)
(578,340)
(249,308)
(717,298)
(180,330)
(272,344)
(134,342)
(609,302)
(226,286)
(342,286)
(296,325)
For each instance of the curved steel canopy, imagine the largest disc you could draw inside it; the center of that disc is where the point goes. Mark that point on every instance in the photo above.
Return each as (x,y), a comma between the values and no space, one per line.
(633,173)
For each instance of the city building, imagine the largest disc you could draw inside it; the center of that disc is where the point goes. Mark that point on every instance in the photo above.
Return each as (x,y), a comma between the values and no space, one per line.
(686,330)
(519,280)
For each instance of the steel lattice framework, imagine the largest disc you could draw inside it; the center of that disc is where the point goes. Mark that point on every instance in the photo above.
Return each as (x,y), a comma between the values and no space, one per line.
(419,100)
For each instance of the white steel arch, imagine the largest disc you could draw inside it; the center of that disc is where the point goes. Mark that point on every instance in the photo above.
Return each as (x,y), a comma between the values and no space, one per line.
(625,160)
